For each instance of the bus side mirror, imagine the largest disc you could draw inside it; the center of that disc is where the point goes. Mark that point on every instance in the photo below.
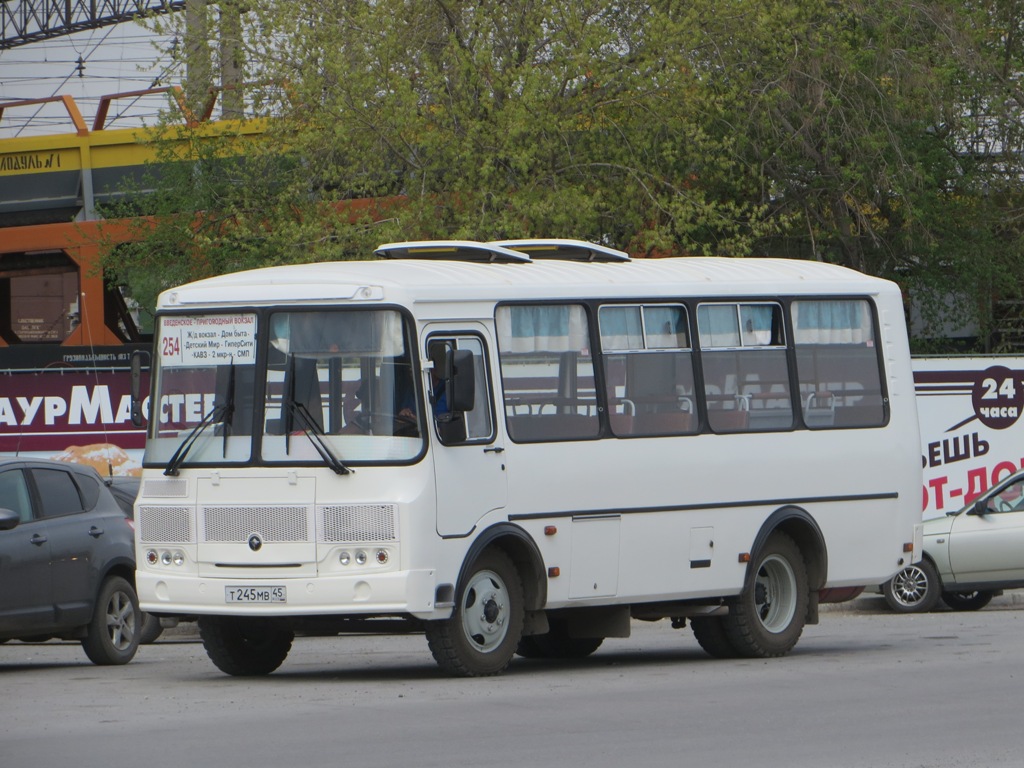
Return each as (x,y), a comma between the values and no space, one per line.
(979,508)
(139,359)
(461,377)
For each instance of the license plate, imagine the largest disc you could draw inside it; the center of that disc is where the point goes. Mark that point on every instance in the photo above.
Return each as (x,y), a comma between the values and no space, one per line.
(255,595)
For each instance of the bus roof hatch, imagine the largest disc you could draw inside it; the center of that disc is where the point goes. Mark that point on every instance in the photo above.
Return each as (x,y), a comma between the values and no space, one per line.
(568,250)
(452,250)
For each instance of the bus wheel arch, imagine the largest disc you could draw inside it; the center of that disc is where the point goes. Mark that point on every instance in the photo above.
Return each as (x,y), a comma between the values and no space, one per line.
(522,550)
(803,529)
(787,567)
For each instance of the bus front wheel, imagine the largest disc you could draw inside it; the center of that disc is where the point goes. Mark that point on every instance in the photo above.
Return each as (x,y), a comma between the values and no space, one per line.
(484,630)
(768,617)
(244,647)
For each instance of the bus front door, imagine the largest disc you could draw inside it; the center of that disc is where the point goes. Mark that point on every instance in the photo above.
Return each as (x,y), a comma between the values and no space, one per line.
(468,451)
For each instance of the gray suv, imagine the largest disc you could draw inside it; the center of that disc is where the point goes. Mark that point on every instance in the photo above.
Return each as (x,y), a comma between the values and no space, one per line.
(67,561)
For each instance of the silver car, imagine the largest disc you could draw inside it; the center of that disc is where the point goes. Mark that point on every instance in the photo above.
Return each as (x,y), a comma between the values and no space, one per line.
(970,555)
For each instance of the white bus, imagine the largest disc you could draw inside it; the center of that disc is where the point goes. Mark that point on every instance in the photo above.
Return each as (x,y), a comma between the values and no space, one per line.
(520,447)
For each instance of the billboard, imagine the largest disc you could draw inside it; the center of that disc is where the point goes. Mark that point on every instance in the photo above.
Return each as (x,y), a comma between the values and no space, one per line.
(971,434)
(71,404)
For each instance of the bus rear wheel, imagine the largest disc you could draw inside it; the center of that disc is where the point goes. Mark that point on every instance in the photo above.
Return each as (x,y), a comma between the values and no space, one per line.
(484,630)
(558,643)
(768,617)
(244,647)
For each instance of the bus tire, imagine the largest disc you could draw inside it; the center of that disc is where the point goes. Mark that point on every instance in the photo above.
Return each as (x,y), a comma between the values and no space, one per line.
(711,635)
(244,647)
(112,637)
(557,643)
(486,626)
(151,629)
(768,617)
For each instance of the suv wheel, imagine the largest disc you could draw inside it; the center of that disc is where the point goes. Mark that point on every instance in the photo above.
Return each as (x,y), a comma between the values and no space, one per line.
(114,632)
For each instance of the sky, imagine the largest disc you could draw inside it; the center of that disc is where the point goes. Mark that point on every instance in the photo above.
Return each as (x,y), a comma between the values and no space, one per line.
(116,59)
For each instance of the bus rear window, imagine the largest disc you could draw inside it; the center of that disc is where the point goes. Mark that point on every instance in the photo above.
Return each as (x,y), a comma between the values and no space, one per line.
(837,364)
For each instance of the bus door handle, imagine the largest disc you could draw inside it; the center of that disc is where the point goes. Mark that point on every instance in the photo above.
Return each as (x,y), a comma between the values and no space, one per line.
(494,449)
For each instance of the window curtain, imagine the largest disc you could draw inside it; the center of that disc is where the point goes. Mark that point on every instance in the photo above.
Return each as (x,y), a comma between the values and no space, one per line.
(542,328)
(832,322)
(327,334)
(718,325)
(621,328)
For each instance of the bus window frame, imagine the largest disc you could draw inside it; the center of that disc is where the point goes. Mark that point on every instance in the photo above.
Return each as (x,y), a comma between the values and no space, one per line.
(483,387)
(588,306)
(782,306)
(881,370)
(263,314)
(692,400)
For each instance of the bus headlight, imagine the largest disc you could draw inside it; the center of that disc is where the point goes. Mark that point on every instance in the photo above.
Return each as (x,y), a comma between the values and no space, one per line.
(165,557)
(360,557)
(344,558)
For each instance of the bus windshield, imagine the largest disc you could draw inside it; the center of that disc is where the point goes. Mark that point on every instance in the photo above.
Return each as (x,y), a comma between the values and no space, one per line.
(339,387)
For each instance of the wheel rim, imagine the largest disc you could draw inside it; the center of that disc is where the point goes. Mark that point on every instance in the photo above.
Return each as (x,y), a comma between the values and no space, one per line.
(120,621)
(775,594)
(485,611)
(909,586)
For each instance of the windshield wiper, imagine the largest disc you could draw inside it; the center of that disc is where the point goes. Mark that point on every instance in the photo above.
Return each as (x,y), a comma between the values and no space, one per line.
(310,428)
(219,413)
(312,431)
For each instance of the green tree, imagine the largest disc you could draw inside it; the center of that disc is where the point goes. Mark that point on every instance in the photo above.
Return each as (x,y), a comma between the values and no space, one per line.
(880,134)
(488,120)
(863,120)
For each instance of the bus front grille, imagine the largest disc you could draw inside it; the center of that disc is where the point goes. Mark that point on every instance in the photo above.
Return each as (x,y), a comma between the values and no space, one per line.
(174,487)
(343,523)
(165,525)
(336,523)
(272,523)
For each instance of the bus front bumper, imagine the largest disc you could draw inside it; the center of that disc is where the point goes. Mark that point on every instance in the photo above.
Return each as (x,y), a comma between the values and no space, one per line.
(380,594)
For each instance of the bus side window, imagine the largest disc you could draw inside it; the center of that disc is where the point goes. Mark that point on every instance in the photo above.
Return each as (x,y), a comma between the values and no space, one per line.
(547,372)
(837,364)
(648,369)
(459,416)
(746,370)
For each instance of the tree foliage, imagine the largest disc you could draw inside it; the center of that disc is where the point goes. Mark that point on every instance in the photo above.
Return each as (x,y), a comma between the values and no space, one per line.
(880,134)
